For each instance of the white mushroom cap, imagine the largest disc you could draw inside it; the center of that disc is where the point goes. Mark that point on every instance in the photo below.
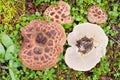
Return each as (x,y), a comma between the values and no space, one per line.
(84,62)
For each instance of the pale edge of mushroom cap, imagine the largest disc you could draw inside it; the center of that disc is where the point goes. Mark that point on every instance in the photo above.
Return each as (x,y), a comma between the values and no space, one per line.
(85,62)
(60,3)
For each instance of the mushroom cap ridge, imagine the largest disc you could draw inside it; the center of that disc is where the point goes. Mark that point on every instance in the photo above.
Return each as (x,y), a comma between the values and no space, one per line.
(41,55)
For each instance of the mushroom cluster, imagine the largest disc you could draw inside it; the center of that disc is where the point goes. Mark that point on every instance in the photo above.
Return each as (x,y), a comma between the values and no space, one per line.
(59,13)
(43,42)
(96,15)
(88,44)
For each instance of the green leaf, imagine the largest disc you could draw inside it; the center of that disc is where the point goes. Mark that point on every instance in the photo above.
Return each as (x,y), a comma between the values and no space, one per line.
(18,26)
(98,1)
(12,74)
(6,40)
(111,42)
(119,25)
(9,52)
(1,6)
(37,2)
(11,63)
(2,51)
(115,7)
(77,18)
(67,26)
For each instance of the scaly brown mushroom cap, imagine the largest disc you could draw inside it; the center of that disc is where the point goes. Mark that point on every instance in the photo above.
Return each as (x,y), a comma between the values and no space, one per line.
(96,15)
(59,13)
(42,44)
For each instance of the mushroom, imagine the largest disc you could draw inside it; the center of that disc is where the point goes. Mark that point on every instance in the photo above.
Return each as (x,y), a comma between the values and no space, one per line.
(59,13)
(43,42)
(96,15)
(88,44)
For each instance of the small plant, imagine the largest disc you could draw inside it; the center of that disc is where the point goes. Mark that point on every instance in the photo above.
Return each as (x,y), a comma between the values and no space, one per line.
(8,54)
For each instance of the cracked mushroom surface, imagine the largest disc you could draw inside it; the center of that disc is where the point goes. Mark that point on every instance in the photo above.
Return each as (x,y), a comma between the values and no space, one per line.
(88,44)
(43,42)
(96,15)
(59,13)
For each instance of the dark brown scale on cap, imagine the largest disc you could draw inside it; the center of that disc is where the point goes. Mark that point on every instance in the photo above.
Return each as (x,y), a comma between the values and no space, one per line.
(29,53)
(37,50)
(47,49)
(52,13)
(30,29)
(59,12)
(29,35)
(57,8)
(28,46)
(46,56)
(40,38)
(56,16)
(50,43)
(63,16)
(42,58)
(36,58)
(52,19)
(51,33)
(48,34)
(27,40)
